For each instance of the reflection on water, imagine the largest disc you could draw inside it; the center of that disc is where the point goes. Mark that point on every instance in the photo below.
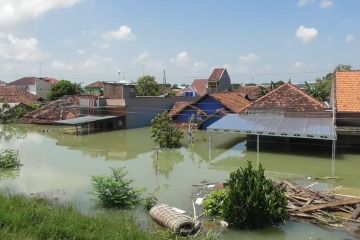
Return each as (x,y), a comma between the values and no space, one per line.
(61,167)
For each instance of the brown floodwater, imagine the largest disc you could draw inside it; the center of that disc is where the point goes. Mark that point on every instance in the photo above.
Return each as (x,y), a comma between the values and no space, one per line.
(60,166)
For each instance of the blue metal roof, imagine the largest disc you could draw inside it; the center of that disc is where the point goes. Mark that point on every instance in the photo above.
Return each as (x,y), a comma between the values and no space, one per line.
(313,128)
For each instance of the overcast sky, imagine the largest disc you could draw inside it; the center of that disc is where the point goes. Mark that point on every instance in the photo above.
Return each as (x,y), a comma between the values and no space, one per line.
(90,40)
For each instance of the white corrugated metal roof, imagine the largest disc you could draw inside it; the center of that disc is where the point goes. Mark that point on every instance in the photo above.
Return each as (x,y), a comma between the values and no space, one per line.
(84,119)
(313,128)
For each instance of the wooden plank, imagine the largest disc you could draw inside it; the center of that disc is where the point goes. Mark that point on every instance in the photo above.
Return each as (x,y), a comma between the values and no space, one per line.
(329,205)
(356,213)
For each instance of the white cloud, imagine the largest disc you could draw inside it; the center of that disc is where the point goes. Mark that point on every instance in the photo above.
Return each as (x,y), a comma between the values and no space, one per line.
(326,4)
(349,38)
(181,58)
(141,58)
(306,34)
(104,46)
(56,64)
(200,64)
(20,49)
(123,33)
(250,58)
(298,64)
(81,51)
(15,11)
(303,3)
(267,67)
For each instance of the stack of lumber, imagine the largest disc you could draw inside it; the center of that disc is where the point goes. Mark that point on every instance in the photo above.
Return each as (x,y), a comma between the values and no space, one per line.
(322,207)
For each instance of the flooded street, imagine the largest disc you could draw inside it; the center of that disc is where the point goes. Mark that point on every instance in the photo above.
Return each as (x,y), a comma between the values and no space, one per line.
(60,166)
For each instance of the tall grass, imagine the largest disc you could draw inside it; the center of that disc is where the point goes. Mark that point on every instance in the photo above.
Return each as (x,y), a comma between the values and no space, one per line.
(24,218)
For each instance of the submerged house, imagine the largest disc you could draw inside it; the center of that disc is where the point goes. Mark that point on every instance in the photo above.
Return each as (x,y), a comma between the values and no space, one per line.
(208,109)
(346,99)
(219,81)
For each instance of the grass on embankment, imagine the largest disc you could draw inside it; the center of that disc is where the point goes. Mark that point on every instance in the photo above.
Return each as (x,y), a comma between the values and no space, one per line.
(24,218)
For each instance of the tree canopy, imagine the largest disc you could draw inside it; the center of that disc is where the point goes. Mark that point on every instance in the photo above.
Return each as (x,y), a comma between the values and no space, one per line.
(147,86)
(62,88)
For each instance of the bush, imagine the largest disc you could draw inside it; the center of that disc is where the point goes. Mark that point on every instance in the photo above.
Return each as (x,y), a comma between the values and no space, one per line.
(9,159)
(115,190)
(150,201)
(164,133)
(253,201)
(62,88)
(213,204)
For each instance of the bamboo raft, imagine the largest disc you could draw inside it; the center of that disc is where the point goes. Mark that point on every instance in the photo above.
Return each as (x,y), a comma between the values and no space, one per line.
(334,210)
(178,223)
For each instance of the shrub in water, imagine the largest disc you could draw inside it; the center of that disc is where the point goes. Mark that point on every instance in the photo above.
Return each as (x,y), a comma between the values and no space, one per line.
(150,201)
(213,204)
(253,201)
(9,159)
(115,190)
(164,133)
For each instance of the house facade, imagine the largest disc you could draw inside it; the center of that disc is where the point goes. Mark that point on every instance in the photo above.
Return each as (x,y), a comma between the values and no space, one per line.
(219,81)
(95,88)
(33,85)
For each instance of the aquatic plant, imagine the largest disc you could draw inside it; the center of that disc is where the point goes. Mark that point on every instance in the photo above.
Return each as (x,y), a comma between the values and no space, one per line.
(9,159)
(115,190)
(166,135)
(213,204)
(253,201)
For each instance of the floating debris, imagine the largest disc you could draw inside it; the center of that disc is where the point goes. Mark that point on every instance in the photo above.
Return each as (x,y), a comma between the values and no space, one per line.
(177,222)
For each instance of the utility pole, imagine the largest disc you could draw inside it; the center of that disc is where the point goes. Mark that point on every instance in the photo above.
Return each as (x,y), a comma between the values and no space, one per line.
(164,76)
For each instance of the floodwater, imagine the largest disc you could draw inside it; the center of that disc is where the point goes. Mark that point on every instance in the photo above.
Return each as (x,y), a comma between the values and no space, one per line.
(60,166)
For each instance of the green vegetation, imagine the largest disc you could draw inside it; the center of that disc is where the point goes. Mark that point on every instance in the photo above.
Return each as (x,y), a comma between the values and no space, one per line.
(166,135)
(115,190)
(253,201)
(62,88)
(322,88)
(150,201)
(9,159)
(147,86)
(214,203)
(32,219)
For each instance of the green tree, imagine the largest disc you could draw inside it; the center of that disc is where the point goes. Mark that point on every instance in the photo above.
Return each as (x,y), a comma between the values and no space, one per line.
(319,90)
(115,190)
(147,86)
(166,135)
(62,88)
(343,67)
(4,108)
(253,201)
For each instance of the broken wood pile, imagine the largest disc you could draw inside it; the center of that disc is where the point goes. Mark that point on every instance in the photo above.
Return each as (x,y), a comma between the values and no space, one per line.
(322,207)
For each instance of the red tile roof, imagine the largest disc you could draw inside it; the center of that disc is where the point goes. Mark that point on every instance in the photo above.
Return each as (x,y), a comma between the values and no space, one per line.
(216,74)
(56,110)
(52,81)
(97,84)
(200,86)
(288,98)
(234,101)
(12,94)
(178,107)
(251,92)
(347,91)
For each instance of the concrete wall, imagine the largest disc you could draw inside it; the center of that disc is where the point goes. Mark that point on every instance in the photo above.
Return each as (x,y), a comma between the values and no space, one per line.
(141,110)
(42,88)
(348,119)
